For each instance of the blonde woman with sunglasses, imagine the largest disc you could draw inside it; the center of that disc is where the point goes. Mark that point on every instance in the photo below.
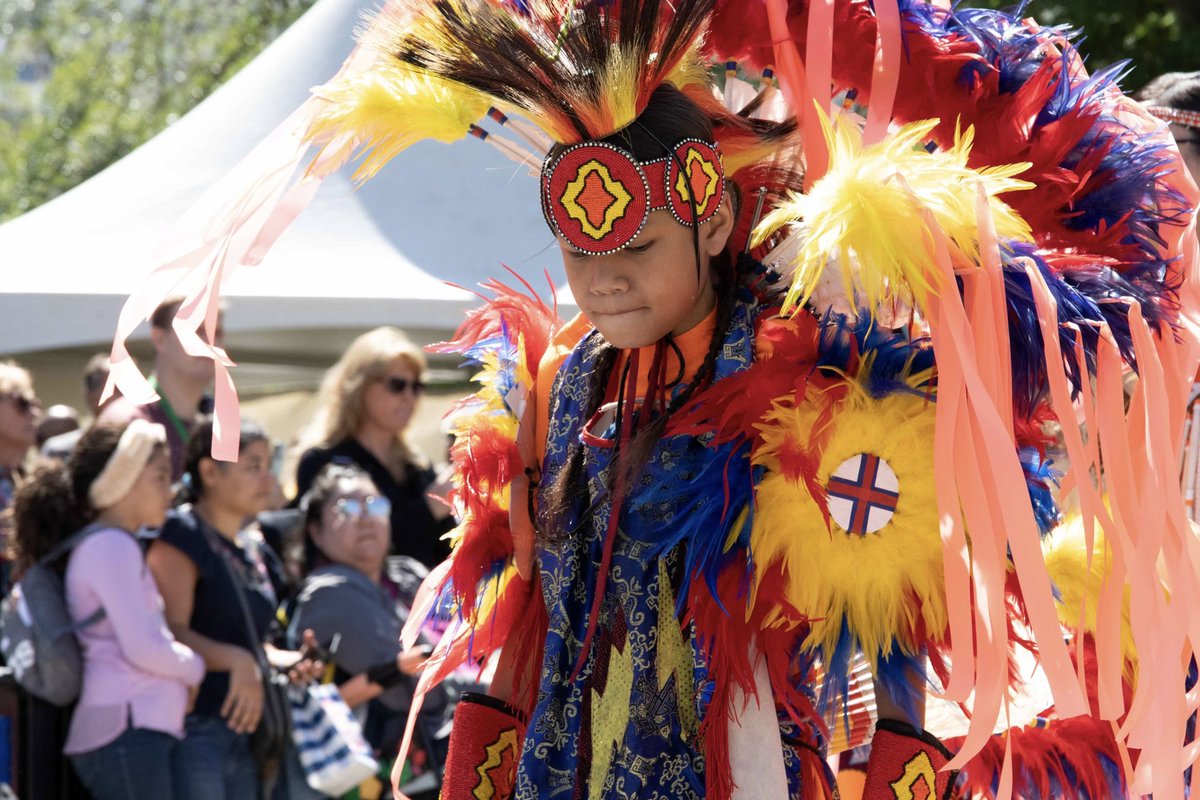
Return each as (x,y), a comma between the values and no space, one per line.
(366,403)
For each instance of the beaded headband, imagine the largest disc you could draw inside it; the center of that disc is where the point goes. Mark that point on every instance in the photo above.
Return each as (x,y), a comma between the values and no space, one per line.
(1177,115)
(598,196)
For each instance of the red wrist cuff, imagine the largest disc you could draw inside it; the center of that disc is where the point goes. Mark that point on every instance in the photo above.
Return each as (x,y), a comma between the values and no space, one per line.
(485,743)
(905,765)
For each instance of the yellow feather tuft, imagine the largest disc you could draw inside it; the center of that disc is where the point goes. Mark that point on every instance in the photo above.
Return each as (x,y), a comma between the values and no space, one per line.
(692,69)
(868,211)
(618,100)
(491,593)
(884,586)
(1075,584)
(388,108)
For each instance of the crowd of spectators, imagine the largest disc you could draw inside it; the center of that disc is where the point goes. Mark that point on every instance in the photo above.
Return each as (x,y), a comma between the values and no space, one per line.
(228,568)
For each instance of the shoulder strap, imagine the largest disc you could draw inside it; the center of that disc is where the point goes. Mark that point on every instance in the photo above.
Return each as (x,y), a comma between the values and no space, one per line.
(256,645)
(60,550)
(90,619)
(70,543)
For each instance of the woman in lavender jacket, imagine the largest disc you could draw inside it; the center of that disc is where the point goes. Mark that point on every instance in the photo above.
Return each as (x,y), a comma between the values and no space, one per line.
(138,682)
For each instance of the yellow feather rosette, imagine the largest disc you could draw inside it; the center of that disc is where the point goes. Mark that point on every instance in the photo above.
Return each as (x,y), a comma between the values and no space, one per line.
(885,585)
(867,215)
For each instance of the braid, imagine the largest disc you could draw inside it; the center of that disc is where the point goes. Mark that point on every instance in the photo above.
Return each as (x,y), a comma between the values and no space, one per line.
(725,267)
(634,460)
(561,493)
(558,496)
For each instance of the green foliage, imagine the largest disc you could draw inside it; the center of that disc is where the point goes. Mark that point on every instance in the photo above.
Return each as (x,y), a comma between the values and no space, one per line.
(108,75)
(1156,36)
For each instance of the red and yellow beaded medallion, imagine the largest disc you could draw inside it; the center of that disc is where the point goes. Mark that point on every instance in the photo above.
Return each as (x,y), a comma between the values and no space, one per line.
(598,196)
(700,176)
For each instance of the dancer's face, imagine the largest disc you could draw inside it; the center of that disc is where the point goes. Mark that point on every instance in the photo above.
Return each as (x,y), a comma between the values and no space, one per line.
(638,295)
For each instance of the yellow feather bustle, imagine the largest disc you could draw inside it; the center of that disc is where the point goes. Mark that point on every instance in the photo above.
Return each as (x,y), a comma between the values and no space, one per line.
(390,107)
(868,211)
(488,417)
(883,585)
(489,402)
(1077,585)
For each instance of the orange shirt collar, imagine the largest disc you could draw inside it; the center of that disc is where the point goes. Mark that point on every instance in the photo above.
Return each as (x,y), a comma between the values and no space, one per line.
(693,344)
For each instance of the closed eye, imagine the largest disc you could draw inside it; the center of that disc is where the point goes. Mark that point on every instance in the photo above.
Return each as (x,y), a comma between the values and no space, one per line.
(641,248)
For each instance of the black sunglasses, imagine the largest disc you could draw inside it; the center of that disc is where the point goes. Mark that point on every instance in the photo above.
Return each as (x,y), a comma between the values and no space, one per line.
(397,385)
(24,403)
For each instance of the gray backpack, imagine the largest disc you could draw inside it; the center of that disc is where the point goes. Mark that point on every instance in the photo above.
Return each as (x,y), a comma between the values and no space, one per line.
(37,635)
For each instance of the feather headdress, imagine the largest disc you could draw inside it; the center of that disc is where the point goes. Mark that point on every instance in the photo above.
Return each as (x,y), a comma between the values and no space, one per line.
(576,72)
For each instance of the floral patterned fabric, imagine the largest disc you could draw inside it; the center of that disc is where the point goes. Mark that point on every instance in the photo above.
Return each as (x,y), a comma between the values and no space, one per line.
(627,725)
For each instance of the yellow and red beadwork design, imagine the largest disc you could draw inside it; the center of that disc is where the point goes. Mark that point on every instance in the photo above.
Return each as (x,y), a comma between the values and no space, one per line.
(919,781)
(598,196)
(701,177)
(496,770)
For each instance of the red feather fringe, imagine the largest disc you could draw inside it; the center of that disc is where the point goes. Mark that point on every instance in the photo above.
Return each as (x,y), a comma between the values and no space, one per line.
(734,407)
(1064,755)
(486,457)
(724,632)
(931,84)
(507,309)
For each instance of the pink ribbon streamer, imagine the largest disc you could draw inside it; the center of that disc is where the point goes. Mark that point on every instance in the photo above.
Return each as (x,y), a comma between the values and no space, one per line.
(234,223)
(818,59)
(885,78)
(793,80)
(972,363)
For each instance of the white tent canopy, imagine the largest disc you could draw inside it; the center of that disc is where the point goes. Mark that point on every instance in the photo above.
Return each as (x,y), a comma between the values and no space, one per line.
(355,258)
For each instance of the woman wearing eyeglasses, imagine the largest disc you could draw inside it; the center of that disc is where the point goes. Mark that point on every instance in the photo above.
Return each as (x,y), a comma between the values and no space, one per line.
(352,608)
(366,402)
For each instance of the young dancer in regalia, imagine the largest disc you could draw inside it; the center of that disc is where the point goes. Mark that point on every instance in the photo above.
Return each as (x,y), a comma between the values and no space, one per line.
(784,487)
(787,475)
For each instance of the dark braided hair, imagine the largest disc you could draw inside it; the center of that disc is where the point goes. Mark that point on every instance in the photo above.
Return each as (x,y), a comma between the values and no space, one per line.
(669,117)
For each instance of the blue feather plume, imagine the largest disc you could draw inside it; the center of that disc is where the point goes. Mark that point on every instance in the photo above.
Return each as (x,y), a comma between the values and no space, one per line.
(704,506)
(845,341)
(1030,386)
(1041,479)
(901,675)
